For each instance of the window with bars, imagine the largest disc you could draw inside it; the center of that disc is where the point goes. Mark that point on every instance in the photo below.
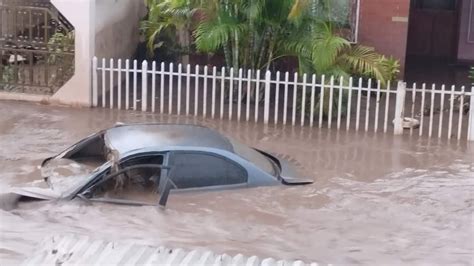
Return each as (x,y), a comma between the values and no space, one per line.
(342,13)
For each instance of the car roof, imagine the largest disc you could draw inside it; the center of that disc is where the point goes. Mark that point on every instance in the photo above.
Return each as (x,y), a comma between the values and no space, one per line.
(125,138)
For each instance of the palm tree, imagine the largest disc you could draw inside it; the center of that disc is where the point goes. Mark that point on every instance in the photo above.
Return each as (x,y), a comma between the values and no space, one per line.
(253,34)
(248,32)
(331,55)
(164,18)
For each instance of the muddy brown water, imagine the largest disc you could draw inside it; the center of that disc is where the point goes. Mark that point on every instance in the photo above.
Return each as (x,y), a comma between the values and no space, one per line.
(376,199)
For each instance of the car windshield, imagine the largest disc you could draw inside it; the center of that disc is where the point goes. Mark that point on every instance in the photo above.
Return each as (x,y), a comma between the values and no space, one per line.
(253,156)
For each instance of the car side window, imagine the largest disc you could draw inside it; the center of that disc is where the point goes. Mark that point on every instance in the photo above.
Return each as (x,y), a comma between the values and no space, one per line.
(138,182)
(196,169)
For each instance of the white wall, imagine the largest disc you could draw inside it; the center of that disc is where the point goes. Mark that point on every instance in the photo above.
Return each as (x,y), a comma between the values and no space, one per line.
(103,28)
(81,14)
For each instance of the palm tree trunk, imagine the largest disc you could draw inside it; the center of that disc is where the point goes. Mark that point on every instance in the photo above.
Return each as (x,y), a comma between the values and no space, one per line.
(262,49)
(270,53)
(235,48)
(227,56)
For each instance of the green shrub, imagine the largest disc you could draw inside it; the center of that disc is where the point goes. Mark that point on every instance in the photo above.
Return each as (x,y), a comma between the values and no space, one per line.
(8,74)
(471,74)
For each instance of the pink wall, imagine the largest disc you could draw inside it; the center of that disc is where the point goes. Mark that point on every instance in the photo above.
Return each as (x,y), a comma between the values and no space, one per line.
(384,26)
(466,42)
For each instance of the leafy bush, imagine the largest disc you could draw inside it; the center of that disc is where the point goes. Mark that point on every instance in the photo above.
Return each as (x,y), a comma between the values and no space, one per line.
(252,34)
(61,55)
(471,76)
(59,44)
(8,74)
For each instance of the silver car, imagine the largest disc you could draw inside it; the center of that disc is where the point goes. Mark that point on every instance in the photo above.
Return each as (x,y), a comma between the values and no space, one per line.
(139,164)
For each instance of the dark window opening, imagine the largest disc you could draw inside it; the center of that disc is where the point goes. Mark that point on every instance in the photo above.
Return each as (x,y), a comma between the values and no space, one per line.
(435,4)
(190,170)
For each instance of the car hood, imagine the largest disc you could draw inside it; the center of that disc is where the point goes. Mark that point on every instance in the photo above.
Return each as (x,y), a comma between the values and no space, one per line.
(291,176)
(62,174)
(36,192)
(288,171)
(59,178)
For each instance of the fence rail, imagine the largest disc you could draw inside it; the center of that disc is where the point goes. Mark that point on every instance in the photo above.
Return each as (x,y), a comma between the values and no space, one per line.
(284,98)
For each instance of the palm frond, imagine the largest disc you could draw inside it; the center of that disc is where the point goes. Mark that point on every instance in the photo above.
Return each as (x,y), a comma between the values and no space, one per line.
(298,8)
(252,10)
(326,47)
(365,61)
(211,35)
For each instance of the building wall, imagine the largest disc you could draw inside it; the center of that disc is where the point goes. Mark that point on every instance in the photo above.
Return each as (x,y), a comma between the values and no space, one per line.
(103,28)
(117,23)
(383,25)
(466,38)
(81,14)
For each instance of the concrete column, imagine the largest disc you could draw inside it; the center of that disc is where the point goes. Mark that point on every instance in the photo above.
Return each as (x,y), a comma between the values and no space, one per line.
(81,14)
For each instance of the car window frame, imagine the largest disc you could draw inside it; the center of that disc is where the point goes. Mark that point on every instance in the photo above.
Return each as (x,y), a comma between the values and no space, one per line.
(100,179)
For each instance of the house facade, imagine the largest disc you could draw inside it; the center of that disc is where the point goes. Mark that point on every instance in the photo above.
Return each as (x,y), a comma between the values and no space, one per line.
(439,32)
(426,36)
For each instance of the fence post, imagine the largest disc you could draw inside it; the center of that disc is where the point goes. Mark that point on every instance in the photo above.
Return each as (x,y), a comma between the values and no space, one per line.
(144,85)
(95,98)
(266,111)
(470,132)
(399,108)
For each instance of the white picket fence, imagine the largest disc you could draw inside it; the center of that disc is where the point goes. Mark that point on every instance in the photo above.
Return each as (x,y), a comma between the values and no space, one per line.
(278,98)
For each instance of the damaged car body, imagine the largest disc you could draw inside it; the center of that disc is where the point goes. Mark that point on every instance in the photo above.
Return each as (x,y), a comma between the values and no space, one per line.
(140,164)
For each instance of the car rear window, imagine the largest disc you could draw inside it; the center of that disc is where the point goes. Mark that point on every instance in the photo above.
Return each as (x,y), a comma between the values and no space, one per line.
(254,157)
(196,169)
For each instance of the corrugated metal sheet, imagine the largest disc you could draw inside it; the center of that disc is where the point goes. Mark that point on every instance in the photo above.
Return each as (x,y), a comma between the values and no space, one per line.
(82,250)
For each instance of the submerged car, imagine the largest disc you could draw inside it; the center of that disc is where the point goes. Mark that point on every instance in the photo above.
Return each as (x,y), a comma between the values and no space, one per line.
(139,165)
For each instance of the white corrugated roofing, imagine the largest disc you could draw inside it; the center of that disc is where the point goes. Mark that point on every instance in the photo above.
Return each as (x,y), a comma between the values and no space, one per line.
(82,250)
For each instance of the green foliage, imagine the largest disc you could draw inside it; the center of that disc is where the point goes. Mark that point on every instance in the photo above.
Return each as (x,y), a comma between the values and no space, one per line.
(61,55)
(164,18)
(334,55)
(253,34)
(8,74)
(58,45)
(248,33)
(471,76)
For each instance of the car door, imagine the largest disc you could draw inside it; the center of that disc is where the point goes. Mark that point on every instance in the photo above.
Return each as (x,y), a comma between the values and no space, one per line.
(134,182)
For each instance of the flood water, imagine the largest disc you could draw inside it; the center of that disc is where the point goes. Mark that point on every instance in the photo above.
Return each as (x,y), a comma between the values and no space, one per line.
(376,199)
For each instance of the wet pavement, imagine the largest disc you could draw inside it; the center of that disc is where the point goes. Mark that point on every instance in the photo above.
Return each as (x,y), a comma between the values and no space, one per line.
(377,199)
